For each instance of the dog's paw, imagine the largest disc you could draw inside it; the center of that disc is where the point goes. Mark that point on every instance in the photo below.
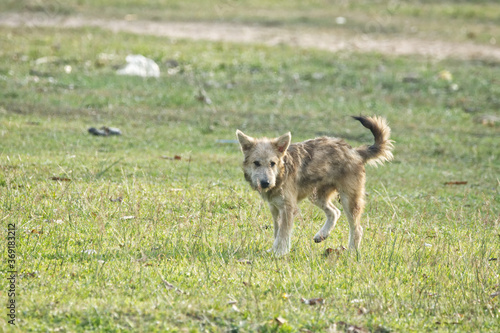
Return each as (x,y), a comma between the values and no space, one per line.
(281,249)
(280,253)
(318,238)
(276,253)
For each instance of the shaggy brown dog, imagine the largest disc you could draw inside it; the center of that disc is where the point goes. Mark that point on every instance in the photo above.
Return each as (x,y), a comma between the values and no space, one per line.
(318,169)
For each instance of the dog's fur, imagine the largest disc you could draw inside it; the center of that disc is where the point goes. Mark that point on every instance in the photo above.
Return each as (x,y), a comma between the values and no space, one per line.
(318,169)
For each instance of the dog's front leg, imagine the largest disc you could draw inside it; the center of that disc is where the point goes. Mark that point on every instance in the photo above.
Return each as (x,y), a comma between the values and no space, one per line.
(276,216)
(276,219)
(282,241)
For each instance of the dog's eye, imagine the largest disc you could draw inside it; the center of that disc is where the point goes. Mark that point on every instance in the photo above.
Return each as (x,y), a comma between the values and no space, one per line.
(273,164)
(257,163)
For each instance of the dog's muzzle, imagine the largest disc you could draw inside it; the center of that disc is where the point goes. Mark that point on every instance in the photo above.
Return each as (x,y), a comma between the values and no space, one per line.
(264,183)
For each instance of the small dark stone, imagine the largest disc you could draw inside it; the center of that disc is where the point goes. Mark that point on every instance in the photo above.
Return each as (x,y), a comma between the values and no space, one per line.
(97,132)
(171,63)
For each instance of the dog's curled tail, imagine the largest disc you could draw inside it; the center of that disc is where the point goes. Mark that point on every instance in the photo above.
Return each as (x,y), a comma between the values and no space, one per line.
(381,150)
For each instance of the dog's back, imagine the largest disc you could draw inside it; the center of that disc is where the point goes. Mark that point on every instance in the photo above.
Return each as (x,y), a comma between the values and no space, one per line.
(327,161)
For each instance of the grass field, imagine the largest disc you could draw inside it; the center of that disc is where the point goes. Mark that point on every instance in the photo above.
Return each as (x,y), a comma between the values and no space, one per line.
(451,20)
(117,234)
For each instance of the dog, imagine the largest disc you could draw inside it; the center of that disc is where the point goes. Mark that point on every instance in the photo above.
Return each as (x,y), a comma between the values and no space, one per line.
(318,169)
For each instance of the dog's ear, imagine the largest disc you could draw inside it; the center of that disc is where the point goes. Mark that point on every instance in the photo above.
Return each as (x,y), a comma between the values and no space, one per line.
(246,142)
(281,144)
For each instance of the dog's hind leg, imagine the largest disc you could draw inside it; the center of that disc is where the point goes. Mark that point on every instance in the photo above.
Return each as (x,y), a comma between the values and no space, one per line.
(322,200)
(353,204)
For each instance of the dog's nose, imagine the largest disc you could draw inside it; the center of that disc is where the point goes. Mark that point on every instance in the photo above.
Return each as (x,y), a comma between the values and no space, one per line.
(264,183)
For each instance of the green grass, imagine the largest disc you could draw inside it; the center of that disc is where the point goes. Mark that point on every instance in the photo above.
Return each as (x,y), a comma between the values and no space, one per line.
(450,20)
(167,257)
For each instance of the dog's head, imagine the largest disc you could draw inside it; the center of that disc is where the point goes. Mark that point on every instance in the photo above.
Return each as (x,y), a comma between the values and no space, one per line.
(263,159)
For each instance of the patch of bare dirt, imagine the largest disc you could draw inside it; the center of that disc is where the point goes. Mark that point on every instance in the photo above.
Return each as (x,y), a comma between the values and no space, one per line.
(265,35)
